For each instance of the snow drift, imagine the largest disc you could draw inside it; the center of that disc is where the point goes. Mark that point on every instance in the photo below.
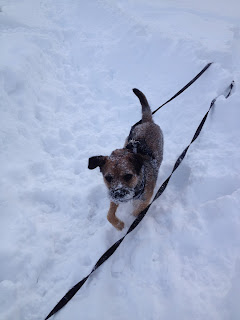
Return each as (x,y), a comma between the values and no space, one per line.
(66,74)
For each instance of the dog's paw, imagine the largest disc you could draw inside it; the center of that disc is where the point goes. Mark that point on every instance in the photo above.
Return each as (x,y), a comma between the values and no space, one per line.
(119,225)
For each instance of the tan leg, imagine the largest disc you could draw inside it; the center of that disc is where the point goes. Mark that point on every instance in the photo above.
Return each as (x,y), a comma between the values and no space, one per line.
(140,205)
(118,224)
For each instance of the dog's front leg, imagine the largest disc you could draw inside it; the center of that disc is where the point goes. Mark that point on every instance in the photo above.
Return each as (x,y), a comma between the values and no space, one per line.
(118,224)
(140,205)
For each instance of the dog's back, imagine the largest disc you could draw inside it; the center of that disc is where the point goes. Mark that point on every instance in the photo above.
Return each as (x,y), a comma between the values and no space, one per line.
(147,132)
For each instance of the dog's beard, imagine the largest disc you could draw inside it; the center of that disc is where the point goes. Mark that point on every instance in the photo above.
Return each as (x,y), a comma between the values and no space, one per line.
(121,195)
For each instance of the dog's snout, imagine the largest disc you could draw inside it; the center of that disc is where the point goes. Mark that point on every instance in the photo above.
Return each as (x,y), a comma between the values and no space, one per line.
(120,193)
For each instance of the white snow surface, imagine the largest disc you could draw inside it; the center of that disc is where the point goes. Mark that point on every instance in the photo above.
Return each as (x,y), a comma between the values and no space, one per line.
(66,73)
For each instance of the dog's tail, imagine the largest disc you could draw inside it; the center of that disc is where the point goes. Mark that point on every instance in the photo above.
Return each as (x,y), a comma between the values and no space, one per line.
(146,111)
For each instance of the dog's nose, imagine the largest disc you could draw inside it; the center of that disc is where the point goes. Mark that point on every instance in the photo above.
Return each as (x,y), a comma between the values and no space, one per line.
(119,193)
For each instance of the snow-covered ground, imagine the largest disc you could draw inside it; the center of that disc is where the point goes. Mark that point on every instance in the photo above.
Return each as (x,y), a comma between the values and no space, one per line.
(66,73)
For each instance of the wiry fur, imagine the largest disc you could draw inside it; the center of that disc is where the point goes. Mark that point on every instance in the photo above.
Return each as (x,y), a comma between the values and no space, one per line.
(127,170)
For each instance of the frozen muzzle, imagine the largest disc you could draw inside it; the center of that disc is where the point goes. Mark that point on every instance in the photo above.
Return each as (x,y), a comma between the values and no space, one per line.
(121,194)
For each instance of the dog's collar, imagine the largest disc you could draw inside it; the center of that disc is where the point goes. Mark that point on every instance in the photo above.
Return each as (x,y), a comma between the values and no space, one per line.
(139,189)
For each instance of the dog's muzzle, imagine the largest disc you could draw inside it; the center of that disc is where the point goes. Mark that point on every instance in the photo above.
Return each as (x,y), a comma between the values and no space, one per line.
(120,195)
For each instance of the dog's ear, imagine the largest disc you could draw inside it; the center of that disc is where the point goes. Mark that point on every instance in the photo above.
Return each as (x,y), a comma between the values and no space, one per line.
(97,161)
(137,161)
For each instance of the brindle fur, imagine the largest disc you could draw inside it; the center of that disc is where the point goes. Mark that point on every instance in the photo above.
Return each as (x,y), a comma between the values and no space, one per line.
(123,163)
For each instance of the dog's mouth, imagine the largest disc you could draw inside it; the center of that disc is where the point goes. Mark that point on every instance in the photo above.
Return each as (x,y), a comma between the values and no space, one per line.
(121,195)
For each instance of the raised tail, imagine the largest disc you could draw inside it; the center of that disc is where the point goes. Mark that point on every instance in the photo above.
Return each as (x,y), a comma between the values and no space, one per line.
(146,111)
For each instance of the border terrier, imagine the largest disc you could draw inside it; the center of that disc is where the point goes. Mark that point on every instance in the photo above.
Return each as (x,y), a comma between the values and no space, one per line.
(131,173)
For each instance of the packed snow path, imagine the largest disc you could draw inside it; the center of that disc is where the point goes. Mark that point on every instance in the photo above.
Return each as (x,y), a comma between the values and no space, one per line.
(66,73)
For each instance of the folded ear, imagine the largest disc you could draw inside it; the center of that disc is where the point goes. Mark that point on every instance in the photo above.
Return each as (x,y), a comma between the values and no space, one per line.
(97,161)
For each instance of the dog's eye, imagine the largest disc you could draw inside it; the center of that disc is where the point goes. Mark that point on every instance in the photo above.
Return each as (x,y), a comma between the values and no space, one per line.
(108,178)
(128,177)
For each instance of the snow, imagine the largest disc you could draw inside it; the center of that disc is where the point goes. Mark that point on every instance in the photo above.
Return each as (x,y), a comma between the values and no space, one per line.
(66,73)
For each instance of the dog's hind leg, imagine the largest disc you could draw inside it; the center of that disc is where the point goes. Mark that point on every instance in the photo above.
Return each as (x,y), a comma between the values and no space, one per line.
(118,224)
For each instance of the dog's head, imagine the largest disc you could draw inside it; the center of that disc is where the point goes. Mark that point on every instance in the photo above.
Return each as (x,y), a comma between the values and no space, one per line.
(121,173)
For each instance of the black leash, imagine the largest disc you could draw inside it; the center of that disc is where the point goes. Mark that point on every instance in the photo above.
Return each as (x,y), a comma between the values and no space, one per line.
(185,87)
(68,296)
(178,93)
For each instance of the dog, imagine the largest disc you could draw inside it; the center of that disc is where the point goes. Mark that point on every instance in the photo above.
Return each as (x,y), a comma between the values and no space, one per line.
(131,173)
